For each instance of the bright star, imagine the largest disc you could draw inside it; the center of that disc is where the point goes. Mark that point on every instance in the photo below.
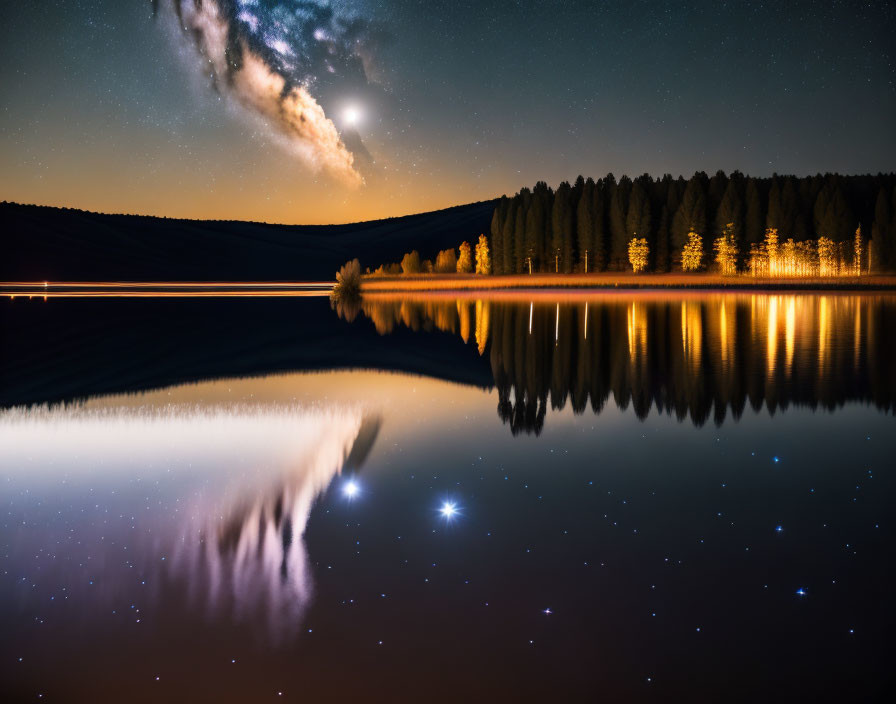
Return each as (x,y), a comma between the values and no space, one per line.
(801,592)
(779,529)
(448,510)
(351,116)
(350,489)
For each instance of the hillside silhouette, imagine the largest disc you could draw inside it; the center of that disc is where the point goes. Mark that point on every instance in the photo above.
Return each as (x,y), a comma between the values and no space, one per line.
(40,243)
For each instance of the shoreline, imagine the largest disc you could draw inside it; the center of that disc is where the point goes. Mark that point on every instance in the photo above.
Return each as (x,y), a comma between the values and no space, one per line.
(613,281)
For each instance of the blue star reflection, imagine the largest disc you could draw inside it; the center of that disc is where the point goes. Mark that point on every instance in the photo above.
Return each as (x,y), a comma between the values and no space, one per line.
(449,510)
(350,489)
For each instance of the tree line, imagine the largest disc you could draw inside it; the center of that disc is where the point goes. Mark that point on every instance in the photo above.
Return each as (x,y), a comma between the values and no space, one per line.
(590,226)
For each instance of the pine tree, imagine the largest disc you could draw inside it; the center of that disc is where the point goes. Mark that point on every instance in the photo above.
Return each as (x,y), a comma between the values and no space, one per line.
(662,242)
(774,216)
(618,231)
(599,240)
(585,226)
(497,227)
(502,252)
(535,227)
(731,211)
(880,230)
(519,231)
(691,215)
(561,229)
(754,222)
(637,222)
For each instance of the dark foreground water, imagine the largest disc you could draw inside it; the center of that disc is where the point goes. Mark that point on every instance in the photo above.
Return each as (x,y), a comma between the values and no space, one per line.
(617,498)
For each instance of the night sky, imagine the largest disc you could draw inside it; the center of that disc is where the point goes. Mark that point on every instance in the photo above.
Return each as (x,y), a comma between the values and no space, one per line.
(309,112)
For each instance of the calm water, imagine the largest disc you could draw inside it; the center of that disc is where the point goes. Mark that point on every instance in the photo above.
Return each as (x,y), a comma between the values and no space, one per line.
(651,498)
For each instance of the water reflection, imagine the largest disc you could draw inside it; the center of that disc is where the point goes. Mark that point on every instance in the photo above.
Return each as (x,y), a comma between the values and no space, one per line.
(698,356)
(242,480)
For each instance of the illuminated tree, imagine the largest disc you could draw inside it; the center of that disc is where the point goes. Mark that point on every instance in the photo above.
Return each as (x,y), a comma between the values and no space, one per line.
(465,260)
(827,257)
(691,214)
(410,263)
(771,250)
(483,262)
(638,252)
(692,254)
(446,262)
(726,251)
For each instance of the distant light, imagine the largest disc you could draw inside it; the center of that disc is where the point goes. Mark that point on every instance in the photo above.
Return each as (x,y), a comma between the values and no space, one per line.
(776,459)
(448,510)
(779,529)
(547,611)
(801,592)
(350,489)
(351,116)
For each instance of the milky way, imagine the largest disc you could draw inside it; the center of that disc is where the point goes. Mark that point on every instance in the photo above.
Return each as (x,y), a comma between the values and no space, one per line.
(270,56)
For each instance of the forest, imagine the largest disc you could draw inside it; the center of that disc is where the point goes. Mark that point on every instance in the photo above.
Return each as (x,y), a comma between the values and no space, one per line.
(727,223)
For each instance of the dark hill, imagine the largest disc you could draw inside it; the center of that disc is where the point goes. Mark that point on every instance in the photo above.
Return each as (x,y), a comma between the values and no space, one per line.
(58,244)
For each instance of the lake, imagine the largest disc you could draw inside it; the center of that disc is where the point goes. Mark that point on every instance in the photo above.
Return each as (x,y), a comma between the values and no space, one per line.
(534,496)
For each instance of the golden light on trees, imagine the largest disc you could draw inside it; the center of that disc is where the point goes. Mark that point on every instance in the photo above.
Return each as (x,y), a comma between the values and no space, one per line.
(482,325)
(638,252)
(465,259)
(446,262)
(483,261)
(692,254)
(726,251)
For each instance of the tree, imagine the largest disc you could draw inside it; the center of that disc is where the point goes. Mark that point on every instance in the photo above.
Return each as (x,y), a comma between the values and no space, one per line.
(502,252)
(483,262)
(618,230)
(446,262)
(662,242)
(519,232)
(692,253)
(754,220)
(496,229)
(599,239)
(561,229)
(730,214)
(637,222)
(465,259)
(726,251)
(638,253)
(881,234)
(690,217)
(585,226)
(410,263)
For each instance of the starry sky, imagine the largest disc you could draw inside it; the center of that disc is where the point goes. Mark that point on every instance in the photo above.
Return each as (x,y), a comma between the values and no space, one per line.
(317,112)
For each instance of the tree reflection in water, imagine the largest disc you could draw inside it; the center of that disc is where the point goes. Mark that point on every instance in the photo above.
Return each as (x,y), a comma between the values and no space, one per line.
(694,355)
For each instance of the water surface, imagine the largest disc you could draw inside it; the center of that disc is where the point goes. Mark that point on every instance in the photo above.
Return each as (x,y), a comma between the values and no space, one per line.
(242,500)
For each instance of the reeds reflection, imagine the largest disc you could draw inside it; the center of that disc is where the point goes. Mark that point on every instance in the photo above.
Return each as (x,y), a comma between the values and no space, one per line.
(698,356)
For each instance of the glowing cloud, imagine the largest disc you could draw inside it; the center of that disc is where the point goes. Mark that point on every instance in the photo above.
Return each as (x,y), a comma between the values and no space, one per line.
(266,55)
